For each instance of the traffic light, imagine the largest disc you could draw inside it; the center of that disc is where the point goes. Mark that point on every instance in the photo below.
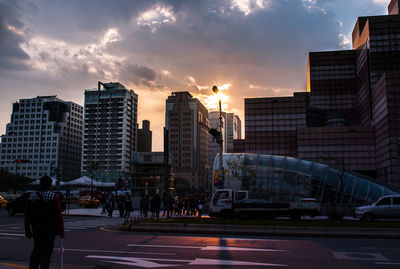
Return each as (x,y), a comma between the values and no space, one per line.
(22,161)
(216,134)
(216,177)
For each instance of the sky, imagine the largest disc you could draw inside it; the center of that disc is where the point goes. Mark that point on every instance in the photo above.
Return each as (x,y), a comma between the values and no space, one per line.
(248,48)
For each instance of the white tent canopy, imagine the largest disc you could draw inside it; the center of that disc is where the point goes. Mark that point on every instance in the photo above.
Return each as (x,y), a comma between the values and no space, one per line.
(87,181)
(83,181)
(37,182)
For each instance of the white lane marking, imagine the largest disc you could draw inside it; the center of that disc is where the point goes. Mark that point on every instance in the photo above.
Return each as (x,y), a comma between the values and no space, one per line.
(147,262)
(162,246)
(143,263)
(213,248)
(366,256)
(8,238)
(253,239)
(388,263)
(115,251)
(375,248)
(13,230)
(222,248)
(12,234)
(199,261)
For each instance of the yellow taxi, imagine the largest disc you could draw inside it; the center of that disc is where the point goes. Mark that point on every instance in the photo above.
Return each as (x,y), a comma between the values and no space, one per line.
(3,202)
(85,200)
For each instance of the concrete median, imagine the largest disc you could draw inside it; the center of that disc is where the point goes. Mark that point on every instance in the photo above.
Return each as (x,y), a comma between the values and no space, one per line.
(392,233)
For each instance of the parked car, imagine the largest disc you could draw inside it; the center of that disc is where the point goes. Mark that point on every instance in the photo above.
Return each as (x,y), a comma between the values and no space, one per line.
(18,205)
(386,207)
(84,200)
(3,202)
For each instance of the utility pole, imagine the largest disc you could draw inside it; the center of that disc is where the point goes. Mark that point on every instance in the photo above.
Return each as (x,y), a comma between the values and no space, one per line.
(220,142)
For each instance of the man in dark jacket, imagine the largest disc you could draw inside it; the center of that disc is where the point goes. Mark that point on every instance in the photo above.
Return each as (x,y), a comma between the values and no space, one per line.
(43,221)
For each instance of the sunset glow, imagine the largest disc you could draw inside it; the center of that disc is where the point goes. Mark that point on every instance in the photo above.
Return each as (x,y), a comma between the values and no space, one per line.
(211,101)
(244,47)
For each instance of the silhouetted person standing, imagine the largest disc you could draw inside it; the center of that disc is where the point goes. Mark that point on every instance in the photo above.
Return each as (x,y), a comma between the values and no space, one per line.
(43,221)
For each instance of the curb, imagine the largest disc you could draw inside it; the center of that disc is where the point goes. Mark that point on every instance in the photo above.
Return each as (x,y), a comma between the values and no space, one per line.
(387,233)
(85,215)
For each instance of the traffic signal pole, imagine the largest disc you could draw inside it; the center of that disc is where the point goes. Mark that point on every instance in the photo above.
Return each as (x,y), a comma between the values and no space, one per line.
(221,167)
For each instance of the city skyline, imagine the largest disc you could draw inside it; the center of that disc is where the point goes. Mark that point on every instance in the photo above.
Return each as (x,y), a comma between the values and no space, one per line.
(247,48)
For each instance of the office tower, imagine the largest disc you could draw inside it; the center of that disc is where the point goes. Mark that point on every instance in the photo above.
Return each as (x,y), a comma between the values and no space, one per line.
(394,8)
(44,137)
(144,137)
(186,121)
(271,123)
(349,117)
(110,130)
(233,130)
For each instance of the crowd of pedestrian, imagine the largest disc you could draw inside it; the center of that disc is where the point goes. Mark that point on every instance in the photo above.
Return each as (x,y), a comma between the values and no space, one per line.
(186,205)
(123,203)
(150,206)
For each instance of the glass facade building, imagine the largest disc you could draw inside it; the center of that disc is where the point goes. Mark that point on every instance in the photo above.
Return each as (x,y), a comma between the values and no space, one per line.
(285,179)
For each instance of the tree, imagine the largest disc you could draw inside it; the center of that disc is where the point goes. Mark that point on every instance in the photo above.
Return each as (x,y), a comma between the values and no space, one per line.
(10,181)
(93,170)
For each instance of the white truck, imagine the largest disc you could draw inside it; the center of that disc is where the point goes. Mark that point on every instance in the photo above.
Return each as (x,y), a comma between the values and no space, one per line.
(231,203)
(255,201)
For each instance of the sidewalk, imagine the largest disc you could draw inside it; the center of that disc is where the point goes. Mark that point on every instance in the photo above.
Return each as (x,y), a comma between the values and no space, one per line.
(96,212)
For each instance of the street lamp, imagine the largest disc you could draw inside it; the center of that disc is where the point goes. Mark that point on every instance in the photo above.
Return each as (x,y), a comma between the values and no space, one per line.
(220,141)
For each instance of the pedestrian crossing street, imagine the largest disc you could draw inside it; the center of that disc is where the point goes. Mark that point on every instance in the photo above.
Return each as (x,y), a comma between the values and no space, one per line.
(15,232)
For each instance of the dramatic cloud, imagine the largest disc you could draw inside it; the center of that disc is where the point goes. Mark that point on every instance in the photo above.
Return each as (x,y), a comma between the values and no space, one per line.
(156,16)
(248,48)
(11,37)
(139,75)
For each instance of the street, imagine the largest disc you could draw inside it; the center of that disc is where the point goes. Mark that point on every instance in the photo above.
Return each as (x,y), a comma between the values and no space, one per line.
(94,242)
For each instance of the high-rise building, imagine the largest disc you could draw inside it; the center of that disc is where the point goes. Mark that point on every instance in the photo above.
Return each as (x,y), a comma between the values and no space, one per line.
(44,137)
(271,123)
(394,7)
(233,130)
(144,137)
(110,130)
(186,122)
(350,116)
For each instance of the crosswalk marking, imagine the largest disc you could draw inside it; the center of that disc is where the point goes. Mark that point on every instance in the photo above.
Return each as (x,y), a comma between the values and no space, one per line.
(18,231)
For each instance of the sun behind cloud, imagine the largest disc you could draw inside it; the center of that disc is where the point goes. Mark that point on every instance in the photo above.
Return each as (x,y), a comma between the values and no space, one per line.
(211,100)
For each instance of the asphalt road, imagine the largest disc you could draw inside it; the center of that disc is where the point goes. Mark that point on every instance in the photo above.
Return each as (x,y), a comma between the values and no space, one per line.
(91,243)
